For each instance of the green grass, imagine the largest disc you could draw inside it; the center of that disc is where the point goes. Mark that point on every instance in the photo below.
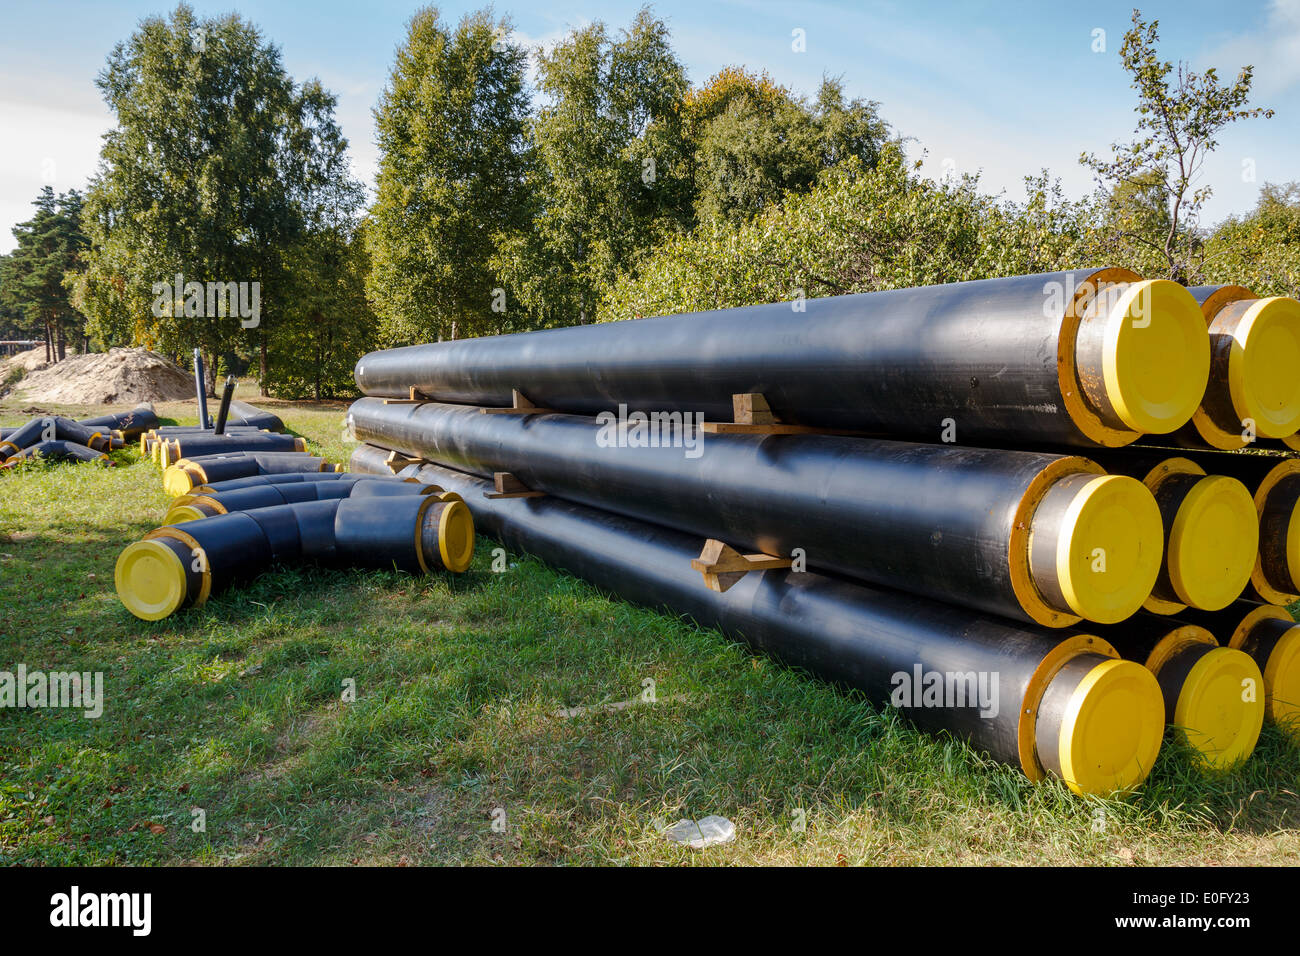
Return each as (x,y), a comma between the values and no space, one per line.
(236,708)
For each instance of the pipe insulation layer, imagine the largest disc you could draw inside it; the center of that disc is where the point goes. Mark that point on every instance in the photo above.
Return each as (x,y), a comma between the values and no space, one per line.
(291,478)
(1211,530)
(1254,353)
(1083,357)
(1041,538)
(1064,705)
(1272,639)
(1214,696)
(201,389)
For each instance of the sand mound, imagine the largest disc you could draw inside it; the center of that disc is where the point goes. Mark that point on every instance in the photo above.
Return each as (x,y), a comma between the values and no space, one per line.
(115,377)
(29,361)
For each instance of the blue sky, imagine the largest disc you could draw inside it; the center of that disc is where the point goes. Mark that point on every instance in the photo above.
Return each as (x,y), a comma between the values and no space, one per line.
(1005,88)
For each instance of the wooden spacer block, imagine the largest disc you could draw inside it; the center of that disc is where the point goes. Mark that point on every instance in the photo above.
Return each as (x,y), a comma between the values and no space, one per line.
(519,405)
(396,461)
(414,397)
(508,486)
(722,565)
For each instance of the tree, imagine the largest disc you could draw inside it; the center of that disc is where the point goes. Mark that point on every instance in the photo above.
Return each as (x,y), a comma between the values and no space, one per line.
(219,165)
(754,141)
(1180,116)
(50,248)
(332,324)
(613,174)
(452,127)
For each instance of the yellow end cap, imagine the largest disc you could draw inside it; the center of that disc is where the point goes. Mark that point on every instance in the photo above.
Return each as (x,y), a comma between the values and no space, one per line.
(456,536)
(1220,708)
(1110,735)
(1262,378)
(150,579)
(1282,682)
(1293,548)
(1213,543)
(177,481)
(1155,356)
(1109,549)
(178,514)
(448,496)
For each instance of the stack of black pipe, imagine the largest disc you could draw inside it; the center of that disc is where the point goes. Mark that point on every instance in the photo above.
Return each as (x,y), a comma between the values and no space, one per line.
(910,474)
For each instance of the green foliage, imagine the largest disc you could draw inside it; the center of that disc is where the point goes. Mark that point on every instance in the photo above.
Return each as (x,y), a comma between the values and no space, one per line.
(1261,250)
(1180,115)
(331,325)
(452,128)
(859,230)
(51,244)
(220,168)
(612,173)
(755,142)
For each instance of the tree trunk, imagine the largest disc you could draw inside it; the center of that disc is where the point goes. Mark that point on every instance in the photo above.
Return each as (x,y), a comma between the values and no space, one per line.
(49,344)
(63,345)
(261,384)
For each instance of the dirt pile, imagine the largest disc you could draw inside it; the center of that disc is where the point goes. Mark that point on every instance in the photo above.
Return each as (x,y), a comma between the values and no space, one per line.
(28,361)
(115,377)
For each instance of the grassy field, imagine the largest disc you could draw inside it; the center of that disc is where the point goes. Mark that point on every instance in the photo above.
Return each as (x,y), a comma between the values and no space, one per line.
(455,751)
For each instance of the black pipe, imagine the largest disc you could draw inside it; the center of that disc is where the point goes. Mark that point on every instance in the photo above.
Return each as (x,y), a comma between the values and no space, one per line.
(1214,696)
(179,479)
(223,411)
(291,478)
(127,425)
(1082,357)
(186,446)
(242,413)
(1270,635)
(183,564)
(192,506)
(946,522)
(880,642)
(376,531)
(48,428)
(57,450)
(201,387)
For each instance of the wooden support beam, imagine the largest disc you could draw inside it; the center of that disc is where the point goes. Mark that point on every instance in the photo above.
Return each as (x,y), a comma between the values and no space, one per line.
(519,405)
(722,565)
(754,416)
(396,461)
(508,486)
(414,397)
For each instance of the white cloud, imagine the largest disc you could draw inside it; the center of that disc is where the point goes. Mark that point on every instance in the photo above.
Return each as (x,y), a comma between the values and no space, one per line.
(1273,49)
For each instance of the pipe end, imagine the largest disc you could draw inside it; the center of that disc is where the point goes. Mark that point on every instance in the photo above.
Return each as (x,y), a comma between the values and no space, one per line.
(1155,357)
(1109,548)
(1213,543)
(1220,708)
(1282,682)
(150,579)
(1261,367)
(1112,729)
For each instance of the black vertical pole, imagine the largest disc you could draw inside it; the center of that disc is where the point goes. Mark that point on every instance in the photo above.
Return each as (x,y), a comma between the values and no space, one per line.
(200,388)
